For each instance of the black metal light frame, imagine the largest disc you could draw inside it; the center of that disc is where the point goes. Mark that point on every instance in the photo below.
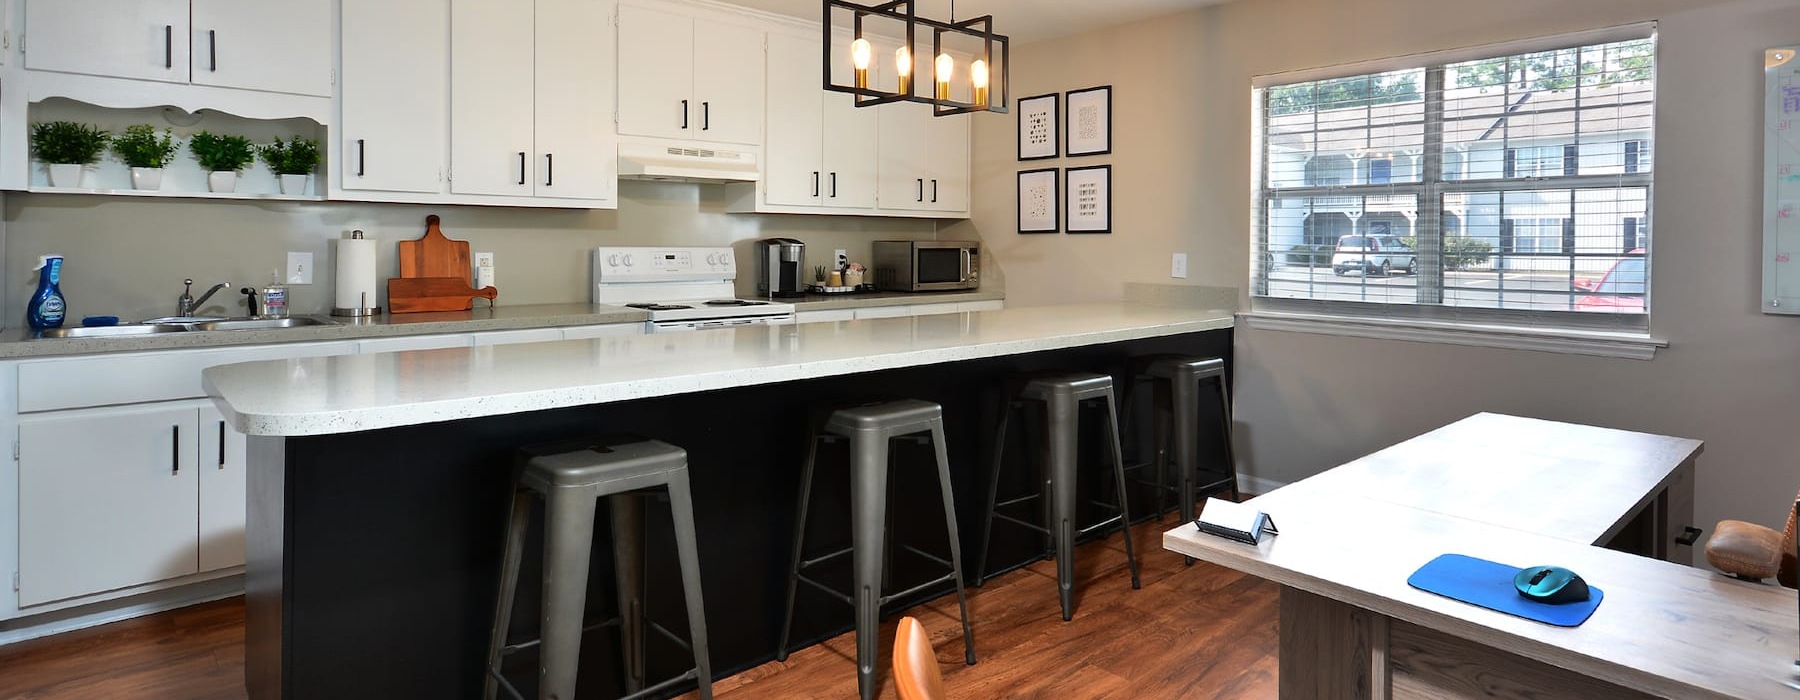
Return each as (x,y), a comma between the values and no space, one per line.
(902,11)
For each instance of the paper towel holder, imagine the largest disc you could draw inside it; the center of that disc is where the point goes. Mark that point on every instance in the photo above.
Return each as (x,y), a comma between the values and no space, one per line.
(362,309)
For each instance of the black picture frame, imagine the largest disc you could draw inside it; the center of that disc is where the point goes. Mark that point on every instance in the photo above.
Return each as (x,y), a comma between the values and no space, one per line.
(1080,215)
(1077,104)
(1035,107)
(1055,211)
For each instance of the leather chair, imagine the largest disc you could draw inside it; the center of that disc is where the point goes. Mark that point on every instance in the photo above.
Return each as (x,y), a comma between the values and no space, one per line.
(915,663)
(1753,552)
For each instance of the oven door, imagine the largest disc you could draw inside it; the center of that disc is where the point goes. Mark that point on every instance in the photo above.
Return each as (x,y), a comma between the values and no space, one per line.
(941,268)
(711,323)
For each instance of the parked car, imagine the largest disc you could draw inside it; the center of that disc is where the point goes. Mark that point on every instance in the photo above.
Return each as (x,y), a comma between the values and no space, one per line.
(1620,291)
(1373,255)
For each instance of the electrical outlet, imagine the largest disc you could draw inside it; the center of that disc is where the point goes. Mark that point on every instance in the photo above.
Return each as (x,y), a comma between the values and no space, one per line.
(1178,266)
(299,268)
(843,258)
(484,270)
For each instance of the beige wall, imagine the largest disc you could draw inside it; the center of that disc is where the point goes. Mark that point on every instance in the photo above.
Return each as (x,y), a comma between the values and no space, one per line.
(127,256)
(1307,402)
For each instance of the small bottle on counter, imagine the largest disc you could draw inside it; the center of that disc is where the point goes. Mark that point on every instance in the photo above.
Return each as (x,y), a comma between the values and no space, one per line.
(47,304)
(275,298)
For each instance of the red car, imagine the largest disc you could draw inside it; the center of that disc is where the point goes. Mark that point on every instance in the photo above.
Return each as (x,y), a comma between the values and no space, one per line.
(1621,291)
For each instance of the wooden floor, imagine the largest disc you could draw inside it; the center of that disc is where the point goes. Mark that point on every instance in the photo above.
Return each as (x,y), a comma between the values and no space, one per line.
(1191,632)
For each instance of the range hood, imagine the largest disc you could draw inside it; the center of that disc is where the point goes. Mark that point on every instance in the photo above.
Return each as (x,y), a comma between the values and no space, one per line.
(670,162)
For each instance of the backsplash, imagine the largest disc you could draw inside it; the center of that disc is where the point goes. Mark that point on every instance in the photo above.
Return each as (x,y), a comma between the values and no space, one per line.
(127,257)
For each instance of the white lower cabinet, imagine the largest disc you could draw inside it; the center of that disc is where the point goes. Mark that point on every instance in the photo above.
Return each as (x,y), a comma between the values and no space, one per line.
(223,471)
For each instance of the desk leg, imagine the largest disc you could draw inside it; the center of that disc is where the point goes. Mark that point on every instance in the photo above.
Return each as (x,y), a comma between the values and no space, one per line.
(1330,649)
(1674,513)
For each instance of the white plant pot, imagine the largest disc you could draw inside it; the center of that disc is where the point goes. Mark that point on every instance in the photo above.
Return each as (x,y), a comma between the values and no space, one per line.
(146,178)
(66,174)
(224,181)
(293,184)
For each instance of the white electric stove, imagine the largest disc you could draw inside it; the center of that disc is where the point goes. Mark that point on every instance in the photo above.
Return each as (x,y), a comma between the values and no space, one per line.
(684,289)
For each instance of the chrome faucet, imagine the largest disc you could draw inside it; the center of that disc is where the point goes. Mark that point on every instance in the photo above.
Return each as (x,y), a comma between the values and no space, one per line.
(186,304)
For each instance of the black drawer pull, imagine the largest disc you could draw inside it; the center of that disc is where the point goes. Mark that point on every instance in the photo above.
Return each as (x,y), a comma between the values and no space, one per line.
(212,48)
(175,452)
(1689,535)
(221,444)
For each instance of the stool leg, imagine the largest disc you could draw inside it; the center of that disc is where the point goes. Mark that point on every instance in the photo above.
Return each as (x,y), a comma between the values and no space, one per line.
(1162,421)
(1225,419)
(568,537)
(687,548)
(1118,455)
(627,511)
(962,598)
(993,493)
(1061,416)
(518,516)
(806,478)
(868,508)
(1187,446)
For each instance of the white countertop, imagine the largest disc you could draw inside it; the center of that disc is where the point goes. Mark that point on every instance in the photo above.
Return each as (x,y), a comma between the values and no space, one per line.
(321,396)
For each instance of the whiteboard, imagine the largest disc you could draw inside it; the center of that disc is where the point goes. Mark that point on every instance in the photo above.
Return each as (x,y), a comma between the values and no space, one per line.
(1781,184)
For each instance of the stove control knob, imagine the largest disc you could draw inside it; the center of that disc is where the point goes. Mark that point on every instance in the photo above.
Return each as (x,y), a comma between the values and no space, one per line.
(712,258)
(628,261)
(612,261)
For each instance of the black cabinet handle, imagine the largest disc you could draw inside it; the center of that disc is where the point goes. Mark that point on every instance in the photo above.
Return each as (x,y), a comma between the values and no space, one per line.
(521,167)
(549,169)
(934,191)
(168,46)
(1689,535)
(221,444)
(834,185)
(175,452)
(362,149)
(921,189)
(212,48)
(815,183)
(684,111)
(705,116)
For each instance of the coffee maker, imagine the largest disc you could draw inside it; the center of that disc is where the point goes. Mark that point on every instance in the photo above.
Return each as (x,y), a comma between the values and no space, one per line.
(780,267)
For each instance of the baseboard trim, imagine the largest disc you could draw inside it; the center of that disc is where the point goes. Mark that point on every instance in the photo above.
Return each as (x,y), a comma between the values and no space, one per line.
(68,620)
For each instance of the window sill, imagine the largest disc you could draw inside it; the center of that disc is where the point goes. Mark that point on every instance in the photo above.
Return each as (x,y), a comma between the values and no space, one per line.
(1633,346)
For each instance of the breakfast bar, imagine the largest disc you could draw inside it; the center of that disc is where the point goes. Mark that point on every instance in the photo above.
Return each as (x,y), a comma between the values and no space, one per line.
(378,483)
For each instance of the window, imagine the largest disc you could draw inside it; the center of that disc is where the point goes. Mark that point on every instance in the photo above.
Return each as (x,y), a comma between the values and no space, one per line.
(1517,177)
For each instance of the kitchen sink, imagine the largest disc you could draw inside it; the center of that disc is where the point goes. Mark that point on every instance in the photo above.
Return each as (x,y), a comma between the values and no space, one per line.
(177,324)
(253,324)
(110,331)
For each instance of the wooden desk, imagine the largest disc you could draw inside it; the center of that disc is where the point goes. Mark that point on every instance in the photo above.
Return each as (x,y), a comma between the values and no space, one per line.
(1352,628)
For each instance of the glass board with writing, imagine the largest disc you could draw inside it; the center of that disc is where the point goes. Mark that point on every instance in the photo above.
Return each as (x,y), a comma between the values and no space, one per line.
(1781,184)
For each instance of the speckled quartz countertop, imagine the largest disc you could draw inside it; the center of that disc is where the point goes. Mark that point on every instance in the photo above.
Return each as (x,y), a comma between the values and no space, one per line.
(320,396)
(19,343)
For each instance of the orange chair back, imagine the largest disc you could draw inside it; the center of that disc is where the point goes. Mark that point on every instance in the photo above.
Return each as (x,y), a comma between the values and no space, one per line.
(915,663)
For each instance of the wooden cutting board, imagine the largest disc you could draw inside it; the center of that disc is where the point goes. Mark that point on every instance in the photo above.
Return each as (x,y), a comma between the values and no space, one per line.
(434,275)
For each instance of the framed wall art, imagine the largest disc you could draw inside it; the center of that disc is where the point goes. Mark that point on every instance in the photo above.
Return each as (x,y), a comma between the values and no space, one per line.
(1090,121)
(1040,202)
(1089,199)
(1037,127)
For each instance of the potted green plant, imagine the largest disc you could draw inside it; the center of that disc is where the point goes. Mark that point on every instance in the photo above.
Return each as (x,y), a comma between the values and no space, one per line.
(222,155)
(68,148)
(146,153)
(292,160)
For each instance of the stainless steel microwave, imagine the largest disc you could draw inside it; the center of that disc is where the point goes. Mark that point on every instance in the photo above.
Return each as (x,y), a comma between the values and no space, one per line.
(927,266)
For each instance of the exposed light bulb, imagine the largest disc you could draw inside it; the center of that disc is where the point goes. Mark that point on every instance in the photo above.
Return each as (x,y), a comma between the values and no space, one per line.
(946,69)
(978,73)
(860,53)
(903,67)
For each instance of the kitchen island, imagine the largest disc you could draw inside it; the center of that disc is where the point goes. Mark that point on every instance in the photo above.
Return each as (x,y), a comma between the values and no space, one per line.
(378,482)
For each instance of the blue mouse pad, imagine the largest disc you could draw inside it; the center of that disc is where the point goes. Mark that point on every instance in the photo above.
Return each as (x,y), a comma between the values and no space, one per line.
(1490,585)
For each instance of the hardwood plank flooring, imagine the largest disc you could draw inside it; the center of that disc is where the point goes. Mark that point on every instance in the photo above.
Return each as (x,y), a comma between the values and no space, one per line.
(1191,632)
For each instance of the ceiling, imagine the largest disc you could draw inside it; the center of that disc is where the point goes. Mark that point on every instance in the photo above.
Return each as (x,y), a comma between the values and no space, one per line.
(1022,20)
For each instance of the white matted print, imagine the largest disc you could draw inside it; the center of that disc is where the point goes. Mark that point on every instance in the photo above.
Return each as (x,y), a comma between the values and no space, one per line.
(1090,121)
(1038,205)
(1037,127)
(1090,199)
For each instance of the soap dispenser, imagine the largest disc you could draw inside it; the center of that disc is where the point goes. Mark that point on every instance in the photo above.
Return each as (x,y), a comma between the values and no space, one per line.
(47,304)
(275,297)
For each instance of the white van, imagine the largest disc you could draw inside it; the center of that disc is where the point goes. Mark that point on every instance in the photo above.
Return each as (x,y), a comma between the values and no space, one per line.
(1373,255)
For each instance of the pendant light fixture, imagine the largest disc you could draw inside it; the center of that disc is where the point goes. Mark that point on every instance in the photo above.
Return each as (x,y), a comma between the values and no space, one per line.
(897,24)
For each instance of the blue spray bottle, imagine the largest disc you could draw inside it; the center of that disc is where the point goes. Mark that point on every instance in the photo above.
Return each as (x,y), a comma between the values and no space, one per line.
(47,306)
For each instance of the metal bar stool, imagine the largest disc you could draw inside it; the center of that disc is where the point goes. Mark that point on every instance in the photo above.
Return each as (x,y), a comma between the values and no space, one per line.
(570,476)
(1061,394)
(869,430)
(1177,382)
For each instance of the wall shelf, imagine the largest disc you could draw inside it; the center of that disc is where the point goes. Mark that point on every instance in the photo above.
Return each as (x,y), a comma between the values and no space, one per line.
(45,189)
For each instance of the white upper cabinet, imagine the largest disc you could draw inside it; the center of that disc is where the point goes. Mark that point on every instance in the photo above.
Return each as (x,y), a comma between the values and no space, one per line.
(393,95)
(923,161)
(689,78)
(268,45)
(530,99)
(820,148)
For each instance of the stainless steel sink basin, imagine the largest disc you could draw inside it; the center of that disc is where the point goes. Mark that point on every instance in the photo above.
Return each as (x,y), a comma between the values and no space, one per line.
(110,331)
(253,324)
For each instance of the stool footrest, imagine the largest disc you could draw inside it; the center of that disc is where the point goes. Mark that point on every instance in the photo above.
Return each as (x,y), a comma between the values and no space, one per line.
(926,555)
(884,600)
(833,592)
(671,636)
(804,563)
(1022,523)
(511,649)
(652,691)
(1027,498)
(1096,527)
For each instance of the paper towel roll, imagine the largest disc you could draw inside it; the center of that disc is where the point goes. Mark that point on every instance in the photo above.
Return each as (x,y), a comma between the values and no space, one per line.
(355,274)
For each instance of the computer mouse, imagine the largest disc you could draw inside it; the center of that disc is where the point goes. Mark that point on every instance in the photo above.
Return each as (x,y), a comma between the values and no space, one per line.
(1550,584)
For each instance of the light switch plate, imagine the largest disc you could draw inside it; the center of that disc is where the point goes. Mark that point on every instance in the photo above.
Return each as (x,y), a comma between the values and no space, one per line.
(299,268)
(1178,266)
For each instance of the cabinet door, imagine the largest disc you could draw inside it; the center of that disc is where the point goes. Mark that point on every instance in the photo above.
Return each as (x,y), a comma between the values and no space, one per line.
(728,82)
(107,500)
(393,92)
(577,152)
(223,500)
(849,151)
(491,97)
(902,155)
(791,166)
(273,45)
(656,74)
(947,180)
(142,39)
